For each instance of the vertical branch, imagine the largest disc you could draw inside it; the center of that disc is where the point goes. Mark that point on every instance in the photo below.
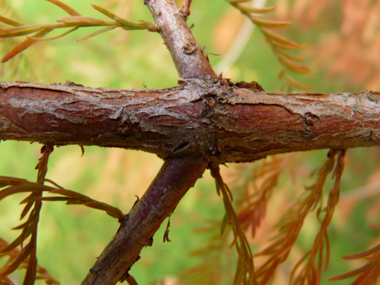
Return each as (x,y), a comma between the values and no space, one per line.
(187,55)
(175,178)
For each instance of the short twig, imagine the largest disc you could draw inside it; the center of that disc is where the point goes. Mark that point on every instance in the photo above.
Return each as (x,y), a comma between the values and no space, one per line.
(185,10)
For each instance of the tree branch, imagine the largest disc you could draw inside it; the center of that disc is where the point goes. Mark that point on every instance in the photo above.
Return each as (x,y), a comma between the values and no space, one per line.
(204,120)
(176,176)
(227,123)
(186,53)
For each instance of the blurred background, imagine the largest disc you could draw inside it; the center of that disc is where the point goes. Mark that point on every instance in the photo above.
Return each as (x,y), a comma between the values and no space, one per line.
(343,52)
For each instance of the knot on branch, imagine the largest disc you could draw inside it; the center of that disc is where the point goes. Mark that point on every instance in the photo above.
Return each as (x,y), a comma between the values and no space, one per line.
(189,48)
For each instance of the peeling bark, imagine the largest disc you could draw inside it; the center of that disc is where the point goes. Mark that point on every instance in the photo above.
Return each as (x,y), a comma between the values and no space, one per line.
(200,117)
(204,120)
(176,176)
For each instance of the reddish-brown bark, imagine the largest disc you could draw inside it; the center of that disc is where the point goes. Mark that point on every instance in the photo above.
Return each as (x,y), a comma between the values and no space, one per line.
(226,123)
(187,55)
(204,120)
(176,176)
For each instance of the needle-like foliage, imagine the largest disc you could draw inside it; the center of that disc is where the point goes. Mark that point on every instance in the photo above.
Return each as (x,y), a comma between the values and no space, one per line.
(74,22)
(245,272)
(314,262)
(277,252)
(209,270)
(278,43)
(254,204)
(368,273)
(26,256)
(13,255)
(22,252)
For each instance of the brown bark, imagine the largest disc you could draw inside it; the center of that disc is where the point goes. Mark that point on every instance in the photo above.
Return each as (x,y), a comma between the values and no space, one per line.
(187,55)
(227,123)
(204,120)
(176,176)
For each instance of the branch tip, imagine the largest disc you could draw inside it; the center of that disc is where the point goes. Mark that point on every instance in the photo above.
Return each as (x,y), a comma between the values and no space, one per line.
(185,10)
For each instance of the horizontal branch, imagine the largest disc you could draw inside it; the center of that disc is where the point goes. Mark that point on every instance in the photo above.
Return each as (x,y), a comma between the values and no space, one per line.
(227,123)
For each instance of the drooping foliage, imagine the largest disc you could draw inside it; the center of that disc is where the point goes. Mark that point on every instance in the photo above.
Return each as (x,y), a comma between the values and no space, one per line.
(26,256)
(278,43)
(237,228)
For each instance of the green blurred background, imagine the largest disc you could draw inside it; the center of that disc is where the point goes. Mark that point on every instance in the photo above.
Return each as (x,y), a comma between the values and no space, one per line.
(71,237)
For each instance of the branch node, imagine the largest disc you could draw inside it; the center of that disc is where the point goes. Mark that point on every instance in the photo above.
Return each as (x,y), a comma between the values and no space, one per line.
(185,10)
(189,48)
